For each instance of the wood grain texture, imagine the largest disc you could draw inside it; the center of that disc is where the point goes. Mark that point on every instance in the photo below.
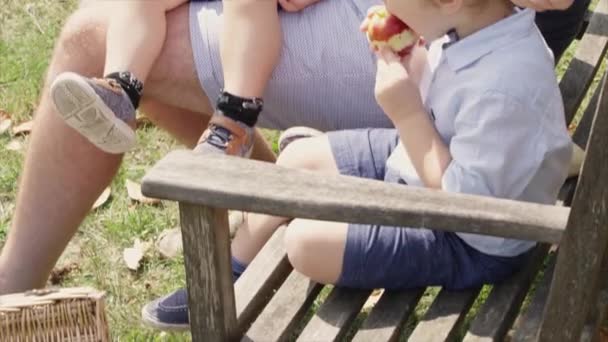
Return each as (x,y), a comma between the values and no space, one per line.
(500,309)
(285,310)
(208,273)
(581,134)
(528,322)
(332,320)
(587,59)
(582,247)
(263,277)
(236,183)
(445,316)
(599,310)
(388,316)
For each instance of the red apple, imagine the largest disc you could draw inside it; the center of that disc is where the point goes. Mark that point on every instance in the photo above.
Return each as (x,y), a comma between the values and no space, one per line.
(385,29)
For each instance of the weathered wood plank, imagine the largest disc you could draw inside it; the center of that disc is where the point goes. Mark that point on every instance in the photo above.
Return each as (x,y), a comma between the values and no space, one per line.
(587,59)
(528,322)
(599,311)
(581,134)
(285,310)
(332,320)
(263,276)
(445,316)
(386,319)
(236,183)
(502,305)
(208,273)
(584,242)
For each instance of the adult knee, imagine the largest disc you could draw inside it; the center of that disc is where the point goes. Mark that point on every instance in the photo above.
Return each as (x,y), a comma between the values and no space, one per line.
(81,44)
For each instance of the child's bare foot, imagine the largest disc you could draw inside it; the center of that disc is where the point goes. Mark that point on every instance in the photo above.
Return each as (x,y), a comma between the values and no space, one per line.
(99,109)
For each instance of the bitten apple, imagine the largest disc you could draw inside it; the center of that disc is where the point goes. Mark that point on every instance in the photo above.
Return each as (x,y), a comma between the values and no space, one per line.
(384,29)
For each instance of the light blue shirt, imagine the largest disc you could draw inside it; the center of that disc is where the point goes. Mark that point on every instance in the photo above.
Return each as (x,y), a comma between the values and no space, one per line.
(495,102)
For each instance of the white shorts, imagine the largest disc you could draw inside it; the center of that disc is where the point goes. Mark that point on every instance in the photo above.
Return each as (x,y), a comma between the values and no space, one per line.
(325,77)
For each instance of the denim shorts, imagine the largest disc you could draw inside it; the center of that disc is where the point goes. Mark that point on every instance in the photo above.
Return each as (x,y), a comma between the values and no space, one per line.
(400,258)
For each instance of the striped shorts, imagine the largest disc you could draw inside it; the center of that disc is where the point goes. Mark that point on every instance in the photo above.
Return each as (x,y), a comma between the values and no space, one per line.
(325,77)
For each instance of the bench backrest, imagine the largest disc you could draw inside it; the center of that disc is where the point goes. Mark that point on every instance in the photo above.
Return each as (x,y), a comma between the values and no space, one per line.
(585,240)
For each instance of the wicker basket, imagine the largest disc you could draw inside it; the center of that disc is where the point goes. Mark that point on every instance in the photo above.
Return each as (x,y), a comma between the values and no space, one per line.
(74,314)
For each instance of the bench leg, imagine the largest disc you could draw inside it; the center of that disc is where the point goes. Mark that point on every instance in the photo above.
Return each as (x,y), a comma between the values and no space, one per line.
(208,273)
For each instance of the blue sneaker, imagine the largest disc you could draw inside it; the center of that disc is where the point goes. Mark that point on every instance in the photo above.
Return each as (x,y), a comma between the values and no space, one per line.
(168,313)
(171,311)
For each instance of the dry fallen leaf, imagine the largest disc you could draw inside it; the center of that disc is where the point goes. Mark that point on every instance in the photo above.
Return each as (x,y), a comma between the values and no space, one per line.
(14,145)
(169,243)
(134,191)
(23,128)
(133,255)
(102,198)
(5,124)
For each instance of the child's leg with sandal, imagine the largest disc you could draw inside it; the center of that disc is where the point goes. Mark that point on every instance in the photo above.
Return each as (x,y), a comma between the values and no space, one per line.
(249,49)
(103,110)
(250,46)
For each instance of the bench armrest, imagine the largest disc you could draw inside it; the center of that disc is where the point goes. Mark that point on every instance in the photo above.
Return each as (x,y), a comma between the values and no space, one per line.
(235,183)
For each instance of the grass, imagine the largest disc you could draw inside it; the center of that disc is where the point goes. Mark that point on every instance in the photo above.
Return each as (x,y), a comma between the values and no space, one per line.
(94,257)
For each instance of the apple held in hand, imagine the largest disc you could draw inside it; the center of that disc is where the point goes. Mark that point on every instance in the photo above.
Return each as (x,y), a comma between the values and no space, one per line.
(385,29)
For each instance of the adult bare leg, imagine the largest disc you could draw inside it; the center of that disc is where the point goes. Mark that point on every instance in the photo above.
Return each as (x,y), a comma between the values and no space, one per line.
(63,174)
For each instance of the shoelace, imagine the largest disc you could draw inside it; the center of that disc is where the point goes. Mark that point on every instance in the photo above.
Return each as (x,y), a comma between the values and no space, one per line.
(219,137)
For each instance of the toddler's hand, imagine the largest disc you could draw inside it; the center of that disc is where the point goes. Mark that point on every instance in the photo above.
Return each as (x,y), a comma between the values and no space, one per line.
(296,5)
(397,82)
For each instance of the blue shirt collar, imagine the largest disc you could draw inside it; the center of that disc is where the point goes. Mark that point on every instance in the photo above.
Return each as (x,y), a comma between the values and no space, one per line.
(460,53)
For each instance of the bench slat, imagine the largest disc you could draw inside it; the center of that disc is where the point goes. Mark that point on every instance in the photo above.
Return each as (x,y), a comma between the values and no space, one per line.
(386,319)
(263,276)
(285,310)
(498,312)
(528,322)
(445,316)
(587,59)
(597,315)
(221,181)
(581,134)
(332,321)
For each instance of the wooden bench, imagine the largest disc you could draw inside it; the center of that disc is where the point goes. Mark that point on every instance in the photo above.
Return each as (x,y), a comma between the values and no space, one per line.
(566,297)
